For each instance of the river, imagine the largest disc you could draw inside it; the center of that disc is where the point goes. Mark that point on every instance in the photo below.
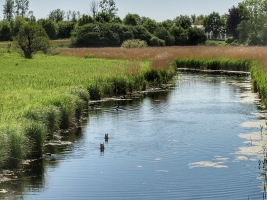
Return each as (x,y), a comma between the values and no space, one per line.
(198,140)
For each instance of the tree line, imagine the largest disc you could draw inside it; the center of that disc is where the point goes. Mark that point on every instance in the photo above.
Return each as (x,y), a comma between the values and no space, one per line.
(246,24)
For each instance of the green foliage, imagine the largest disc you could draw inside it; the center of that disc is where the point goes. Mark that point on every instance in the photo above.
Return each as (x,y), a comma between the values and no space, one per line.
(103,17)
(183,21)
(215,64)
(17,24)
(196,36)
(135,43)
(153,76)
(108,7)
(149,24)
(5,30)
(213,22)
(8,10)
(35,132)
(85,19)
(32,38)
(155,41)
(51,27)
(65,29)
(132,19)
(163,34)
(57,15)
(180,35)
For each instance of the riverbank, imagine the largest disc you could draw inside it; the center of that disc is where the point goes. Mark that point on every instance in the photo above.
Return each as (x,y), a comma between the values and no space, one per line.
(48,93)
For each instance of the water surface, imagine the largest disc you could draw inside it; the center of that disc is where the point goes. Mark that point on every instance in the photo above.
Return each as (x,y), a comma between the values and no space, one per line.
(190,142)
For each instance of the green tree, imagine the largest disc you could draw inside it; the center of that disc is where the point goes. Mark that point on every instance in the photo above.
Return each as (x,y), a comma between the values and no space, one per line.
(109,7)
(57,15)
(167,24)
(180,35)
(233,19)
(213,23)
(199,20)
(94,8)
(85,19)
(5,30)
(163,34)
(149,24)
(8,10)
(103,17)
(183,21)
(65,29)
(22,6)
(132,19)
(17,24)
(196,36)
(32,38)
(51,27)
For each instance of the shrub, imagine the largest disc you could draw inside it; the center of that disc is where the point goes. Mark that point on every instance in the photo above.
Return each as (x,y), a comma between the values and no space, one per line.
(155,41)
(135,43)
(153,76)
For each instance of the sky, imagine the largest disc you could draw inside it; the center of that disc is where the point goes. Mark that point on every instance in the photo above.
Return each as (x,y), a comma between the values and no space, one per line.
(158,10)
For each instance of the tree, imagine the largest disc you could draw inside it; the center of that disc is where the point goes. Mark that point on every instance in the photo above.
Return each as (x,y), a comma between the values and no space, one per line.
(22,6)
(51,27)
(85,19)
(213,23)
(109,7)
(94,8)
(183,21)
(17,24)
(5,30)
(8,10)
(163,34)
(149,24)
(57,15)
(132,19)
(103,17)
(196,36)
(32,38)
(233,19)
(180,35)
(167,24)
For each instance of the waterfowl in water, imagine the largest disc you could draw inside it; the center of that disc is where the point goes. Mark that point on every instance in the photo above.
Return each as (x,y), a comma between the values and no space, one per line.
(102,147)
(106,136)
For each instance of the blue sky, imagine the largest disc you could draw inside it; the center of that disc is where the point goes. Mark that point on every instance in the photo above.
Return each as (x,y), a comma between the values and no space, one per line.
(156,9)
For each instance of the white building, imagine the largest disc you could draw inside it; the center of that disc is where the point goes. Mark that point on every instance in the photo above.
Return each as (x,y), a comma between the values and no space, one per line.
(221,36)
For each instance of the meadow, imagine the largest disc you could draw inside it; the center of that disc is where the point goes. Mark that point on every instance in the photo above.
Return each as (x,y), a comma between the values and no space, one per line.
(42,95)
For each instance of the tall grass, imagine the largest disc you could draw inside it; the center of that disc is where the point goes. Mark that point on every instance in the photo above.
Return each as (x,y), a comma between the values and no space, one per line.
(42,95)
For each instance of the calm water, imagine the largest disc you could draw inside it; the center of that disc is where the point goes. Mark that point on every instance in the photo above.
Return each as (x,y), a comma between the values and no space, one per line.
(186,143)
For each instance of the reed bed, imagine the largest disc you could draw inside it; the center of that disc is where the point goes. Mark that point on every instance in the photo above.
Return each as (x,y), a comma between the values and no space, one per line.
(48,93)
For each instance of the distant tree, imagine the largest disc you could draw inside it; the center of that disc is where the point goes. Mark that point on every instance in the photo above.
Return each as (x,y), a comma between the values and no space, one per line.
(94,8)
(51,27)
(167,24)
(74,16)
(163,33)
(103,17)
(65,29)
(30,17)
(21,7)
(193,18)
(180,35)
(117,20)
(132,19)
(109,7)
(85,19)
(149,24)
(68,14)
(183,21)
(32,38)
(5,30)
(199,20)
(17,24)
(233,19)
(57,15)
(196,36)
(8,10)
(214,23)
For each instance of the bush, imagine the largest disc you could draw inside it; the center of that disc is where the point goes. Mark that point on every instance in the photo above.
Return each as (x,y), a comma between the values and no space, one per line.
(153,76)
(155,41)
(229,40)
(135,43)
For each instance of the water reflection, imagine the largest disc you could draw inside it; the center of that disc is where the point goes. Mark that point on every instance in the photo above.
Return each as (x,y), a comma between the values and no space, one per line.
(184,143)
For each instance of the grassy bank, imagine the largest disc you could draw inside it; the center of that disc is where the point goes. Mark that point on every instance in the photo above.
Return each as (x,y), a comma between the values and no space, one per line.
(44,94)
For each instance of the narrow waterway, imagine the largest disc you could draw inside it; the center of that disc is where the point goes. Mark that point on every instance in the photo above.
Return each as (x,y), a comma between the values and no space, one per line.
(199,140)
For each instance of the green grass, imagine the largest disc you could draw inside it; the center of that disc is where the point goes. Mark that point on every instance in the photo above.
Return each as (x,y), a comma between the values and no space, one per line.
(41,95)
(215,64)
